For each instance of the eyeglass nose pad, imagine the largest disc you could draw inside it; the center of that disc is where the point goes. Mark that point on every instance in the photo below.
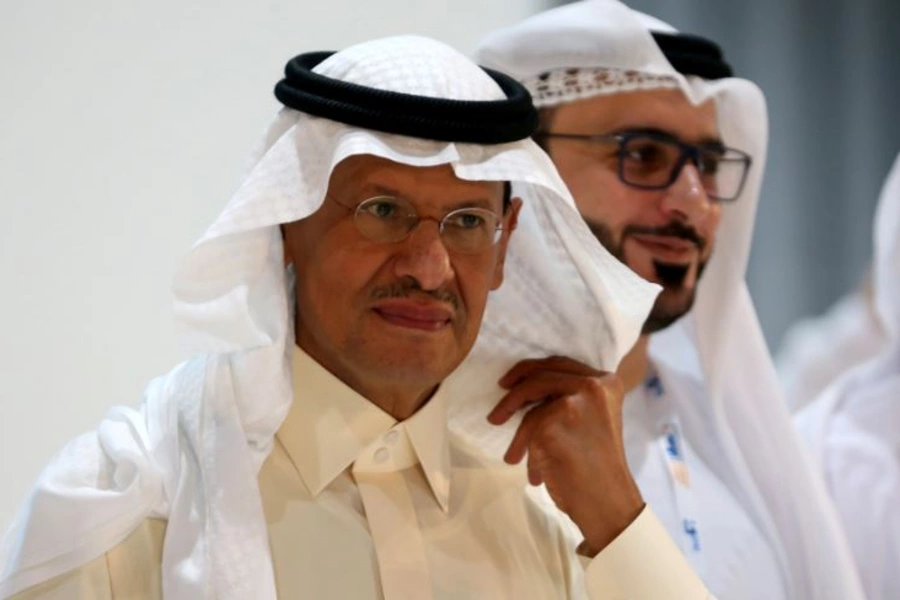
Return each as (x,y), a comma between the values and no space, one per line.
(687,154)
(678,167)
(414,224)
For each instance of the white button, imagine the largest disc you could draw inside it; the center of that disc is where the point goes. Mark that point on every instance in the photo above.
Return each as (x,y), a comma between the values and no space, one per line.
(381,455)
(391,437)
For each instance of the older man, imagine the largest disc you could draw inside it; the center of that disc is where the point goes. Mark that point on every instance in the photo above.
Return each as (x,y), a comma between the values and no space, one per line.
(305,452)
(663,152)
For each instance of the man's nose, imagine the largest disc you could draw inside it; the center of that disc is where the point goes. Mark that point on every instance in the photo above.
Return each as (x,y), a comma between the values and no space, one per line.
(424,257)
(687,197)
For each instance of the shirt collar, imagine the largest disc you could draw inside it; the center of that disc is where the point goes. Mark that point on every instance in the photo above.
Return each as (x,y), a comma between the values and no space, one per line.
(330,427)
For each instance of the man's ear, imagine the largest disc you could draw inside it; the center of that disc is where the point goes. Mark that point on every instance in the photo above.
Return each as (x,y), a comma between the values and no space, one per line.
(510,221)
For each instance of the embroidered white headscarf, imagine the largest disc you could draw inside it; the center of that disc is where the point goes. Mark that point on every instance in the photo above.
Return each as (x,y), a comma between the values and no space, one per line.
(191,452)
(719,344)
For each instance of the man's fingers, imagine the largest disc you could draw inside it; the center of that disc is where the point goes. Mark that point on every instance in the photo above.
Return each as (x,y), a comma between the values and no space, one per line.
(534,471)
(562,364)
(538,388)
(519,444)
(549,385)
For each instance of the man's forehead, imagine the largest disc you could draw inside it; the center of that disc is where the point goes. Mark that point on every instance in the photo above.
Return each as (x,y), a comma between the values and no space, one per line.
(367,172)
(667,111)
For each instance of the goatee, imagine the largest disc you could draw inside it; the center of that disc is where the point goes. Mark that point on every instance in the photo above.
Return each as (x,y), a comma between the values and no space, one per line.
(670,275)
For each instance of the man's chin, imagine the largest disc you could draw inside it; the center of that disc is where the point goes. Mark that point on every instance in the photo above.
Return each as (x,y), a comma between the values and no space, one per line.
(669,307)
(410,354)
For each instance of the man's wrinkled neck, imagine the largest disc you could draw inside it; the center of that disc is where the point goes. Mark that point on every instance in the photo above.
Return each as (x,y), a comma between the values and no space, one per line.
(399,401)
(397,398)
(400,404)
(633,367)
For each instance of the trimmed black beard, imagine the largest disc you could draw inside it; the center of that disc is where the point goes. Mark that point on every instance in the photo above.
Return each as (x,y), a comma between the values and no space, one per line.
(670,276)
(659,319)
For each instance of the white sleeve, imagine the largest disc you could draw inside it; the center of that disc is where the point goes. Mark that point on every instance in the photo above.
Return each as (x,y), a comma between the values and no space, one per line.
(642,563)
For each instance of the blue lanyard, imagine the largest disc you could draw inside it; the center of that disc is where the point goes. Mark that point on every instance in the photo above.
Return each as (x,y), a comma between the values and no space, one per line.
(674,452)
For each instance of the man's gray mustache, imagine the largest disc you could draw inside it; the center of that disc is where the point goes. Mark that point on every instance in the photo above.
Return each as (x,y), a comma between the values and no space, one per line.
(406,289)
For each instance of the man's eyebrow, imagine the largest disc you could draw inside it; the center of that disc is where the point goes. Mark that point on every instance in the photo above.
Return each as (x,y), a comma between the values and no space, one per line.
(473,202)
(382,190)
(704,140)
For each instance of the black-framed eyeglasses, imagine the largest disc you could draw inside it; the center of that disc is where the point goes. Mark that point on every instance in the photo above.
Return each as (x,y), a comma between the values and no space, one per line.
(385,220)
(652,160)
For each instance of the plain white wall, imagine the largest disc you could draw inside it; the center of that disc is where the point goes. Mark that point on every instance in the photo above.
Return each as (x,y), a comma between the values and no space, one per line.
(124,127)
